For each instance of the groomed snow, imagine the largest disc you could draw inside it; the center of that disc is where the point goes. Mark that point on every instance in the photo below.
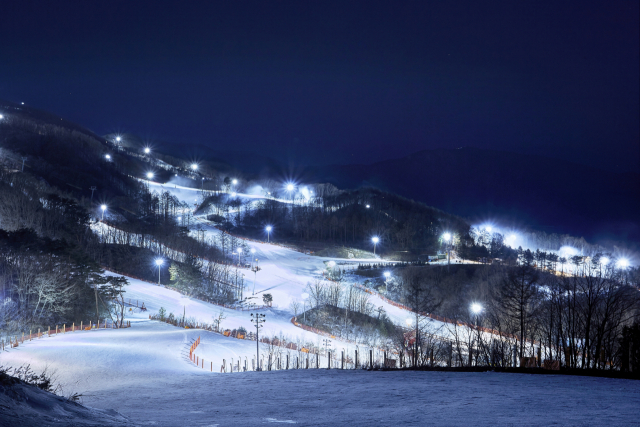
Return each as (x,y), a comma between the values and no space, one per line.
(144,373)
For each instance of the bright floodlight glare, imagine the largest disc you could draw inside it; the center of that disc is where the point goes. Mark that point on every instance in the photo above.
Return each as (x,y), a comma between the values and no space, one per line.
(233,194)
(159,262)
(108,157)
(375,240)
(147,150)
(604,260)
(622,263)
(149,175)
(239,250)
(409,322)
(194,166)
(387,274)
(103,207)
(446,237)
(331,263)
(290,187)
(489,228)
(268,228)
(476,308)
(234,182)
(253,251)
(1,117)
(118,138)
(368,206)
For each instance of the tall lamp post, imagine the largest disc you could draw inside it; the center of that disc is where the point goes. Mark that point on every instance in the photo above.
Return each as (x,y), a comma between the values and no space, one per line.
(447,238)
(258,319)
(104,208)
(375,241)
(268,232)
(159,263)
(476,309)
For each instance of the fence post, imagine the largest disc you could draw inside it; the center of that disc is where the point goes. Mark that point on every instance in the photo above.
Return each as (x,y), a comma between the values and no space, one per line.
(287,362)
(318,360)
(29,334)
(371,359)
(48,331)
(342,359)
(356,359)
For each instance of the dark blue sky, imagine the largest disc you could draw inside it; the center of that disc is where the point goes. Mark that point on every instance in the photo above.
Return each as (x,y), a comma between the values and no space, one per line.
(324,82)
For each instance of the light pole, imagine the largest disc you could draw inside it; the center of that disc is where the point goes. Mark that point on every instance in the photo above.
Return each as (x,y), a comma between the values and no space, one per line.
(476,309)
(268,232)
(290,188)
(239,253)
(447,238)
(375,241)
(159,263)
(258,319)
(104,208)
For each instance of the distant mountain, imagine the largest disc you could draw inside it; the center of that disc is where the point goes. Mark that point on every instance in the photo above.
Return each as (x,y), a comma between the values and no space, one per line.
(549,194)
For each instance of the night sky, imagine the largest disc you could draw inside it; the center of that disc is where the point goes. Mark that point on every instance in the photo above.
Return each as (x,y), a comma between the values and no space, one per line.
(344,82)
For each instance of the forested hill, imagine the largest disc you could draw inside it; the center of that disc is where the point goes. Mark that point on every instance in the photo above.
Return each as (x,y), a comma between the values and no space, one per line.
(533,190)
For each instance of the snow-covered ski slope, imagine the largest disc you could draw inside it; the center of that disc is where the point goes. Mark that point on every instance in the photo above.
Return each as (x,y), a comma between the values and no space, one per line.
(144,373)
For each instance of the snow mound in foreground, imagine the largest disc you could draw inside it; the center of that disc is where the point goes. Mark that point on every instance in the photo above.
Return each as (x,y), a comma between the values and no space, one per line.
(26,405)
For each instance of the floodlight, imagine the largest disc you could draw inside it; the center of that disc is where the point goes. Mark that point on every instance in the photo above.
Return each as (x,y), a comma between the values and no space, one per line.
(622,263)
(234,182)
(387,274)
(290,187)
(108,157)
(331,264)
(149,175)
(476,308)
(604,260)
(375,240)
(446,237)
(194,166)
(147,150)
(118,138)
(159,262)
(268,228)
(103,207)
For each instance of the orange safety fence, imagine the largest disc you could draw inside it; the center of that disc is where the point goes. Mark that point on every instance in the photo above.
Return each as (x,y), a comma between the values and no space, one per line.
(15,341)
